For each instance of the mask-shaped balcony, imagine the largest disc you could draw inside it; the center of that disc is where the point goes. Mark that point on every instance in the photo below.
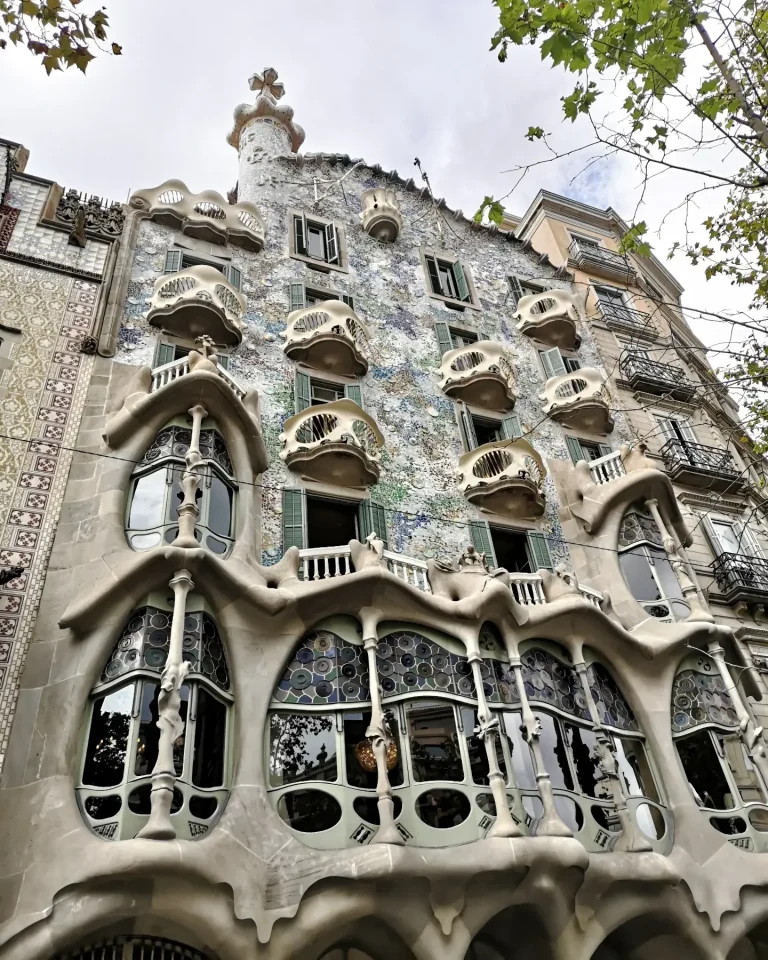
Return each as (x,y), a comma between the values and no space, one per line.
(505,477)
(480,374)
(578,400)
(334,443)
(549,317)
(206,216)
(330,337)
(198,302)
(381,216)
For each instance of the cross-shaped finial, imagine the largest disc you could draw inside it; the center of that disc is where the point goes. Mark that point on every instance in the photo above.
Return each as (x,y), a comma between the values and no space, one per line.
(266,83)
(207,346)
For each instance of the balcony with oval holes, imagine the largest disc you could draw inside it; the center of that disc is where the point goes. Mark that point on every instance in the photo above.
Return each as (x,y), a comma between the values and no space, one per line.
(205,216)
(334,443)
(549,317)
(330,337)
(579,400)
(505,477)
(381,216)
(198,302)
(480,374)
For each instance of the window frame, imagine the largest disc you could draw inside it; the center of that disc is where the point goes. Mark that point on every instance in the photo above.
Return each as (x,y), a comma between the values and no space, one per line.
(452,260)
(340,263)
(231,273)
(509,425)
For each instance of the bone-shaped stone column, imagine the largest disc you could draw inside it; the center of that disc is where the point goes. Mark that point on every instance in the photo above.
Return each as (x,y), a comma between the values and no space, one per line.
(488,729)
(189,512)
(631,838)
(550,824)
(159,826)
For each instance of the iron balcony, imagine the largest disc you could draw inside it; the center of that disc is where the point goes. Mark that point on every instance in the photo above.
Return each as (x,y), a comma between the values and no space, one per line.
(655,377)
(701,466)
(602,261)
(741,577)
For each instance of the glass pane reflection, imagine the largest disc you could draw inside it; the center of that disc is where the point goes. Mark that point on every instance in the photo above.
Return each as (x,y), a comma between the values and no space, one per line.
(522,764)
(434,742)
(704,771)
(147,501)
(108,738)
(555,752)
(220,507)
(302,746)
(355,728)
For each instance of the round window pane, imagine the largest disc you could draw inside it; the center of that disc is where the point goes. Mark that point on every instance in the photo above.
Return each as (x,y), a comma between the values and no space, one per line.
(309,811)
(203,807)
(102,808)
(367,808)
(145,541)
(443,809)
(650,820)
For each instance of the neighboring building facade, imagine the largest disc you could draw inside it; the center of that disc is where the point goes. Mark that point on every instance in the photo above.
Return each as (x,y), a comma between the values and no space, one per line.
(369,630)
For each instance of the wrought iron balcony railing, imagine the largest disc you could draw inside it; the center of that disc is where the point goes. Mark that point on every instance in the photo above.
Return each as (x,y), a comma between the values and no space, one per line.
(596,259)
(656,377)
(741,577)
(701,465)
(619,315)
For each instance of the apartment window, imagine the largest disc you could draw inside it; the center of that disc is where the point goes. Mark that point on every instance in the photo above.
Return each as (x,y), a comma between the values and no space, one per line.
(317,241)
(675,428)
(448,280)
(556,364)
(519,288)
(477,430)
(518,551)
(586,449)
(302,296)
(312,522)
(169,352)
(176,260)
(646,567)
(451,338)
(585,241)
(310,391)
(731,536)
(611,297)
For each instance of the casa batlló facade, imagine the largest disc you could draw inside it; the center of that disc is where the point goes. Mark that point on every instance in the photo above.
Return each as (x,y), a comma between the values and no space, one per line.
(352,610)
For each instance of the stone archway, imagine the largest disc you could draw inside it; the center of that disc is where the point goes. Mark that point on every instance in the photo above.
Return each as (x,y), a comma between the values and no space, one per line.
(648,938)
(752,947)
(515,933)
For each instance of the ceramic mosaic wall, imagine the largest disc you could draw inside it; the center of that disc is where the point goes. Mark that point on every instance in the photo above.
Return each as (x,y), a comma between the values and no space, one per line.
(45,388)
(428,514)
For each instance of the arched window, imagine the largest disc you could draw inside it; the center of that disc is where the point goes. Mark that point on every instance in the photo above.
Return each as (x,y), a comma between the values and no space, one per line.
(156,493)
(134,948)
(721,775)
(646,567)
(322,772)
(121,734)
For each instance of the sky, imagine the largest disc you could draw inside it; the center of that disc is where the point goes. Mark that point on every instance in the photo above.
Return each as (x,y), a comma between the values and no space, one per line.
(386,80)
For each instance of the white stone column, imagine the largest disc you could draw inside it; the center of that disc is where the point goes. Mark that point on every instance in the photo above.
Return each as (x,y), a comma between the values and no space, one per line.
(189,512)
(170,724)
(380,736)
(751,735)
(631,838)
(550,824)
(488,729)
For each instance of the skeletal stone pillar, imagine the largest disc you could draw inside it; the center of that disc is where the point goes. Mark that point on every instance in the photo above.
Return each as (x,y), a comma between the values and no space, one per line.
(488,729)
(751,735)
(682,566)
(380,737)
(550,824)
(189,512)
(170,724)
(631,839)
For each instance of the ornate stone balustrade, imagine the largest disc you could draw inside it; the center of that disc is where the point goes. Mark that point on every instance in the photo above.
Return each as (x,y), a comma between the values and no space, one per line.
(380,215)
(505,477)
(161,376)
(198,302)
(205,215)
(579,400)
(334,443)
(328,336)
(481,374)
(549,317)
(607,468)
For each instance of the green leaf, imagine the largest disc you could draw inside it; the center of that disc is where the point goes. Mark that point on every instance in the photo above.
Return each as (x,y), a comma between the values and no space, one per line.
(535,133)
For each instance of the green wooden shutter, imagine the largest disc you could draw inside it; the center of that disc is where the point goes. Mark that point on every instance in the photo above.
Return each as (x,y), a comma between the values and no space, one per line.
(234,275)
(480,533)
(331,243)
(164,354)
(300,234)
(372,517)
(461,281)
(552,361)
(574,448)
(297,296)
(444,338)
(571,364)
(516,289)
(302,389)
(172,261)
(293,519)
(223,360)
(538,551)
(605,449)
(467,428)
(353,391)
(349,300)
(510,427)
(434,275)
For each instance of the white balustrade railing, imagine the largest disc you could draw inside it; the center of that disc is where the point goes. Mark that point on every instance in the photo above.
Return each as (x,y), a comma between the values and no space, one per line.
(323,563)
(162,376)
(607,468)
